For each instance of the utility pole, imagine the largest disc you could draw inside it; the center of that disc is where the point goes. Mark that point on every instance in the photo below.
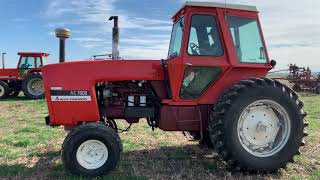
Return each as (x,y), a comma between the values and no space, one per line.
(3,59)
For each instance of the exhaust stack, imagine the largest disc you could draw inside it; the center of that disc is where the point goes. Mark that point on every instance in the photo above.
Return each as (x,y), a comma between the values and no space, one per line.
(62,34)
(3,60)
(115,38)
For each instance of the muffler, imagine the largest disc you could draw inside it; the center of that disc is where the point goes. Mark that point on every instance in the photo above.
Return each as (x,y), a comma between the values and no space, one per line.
(115,38)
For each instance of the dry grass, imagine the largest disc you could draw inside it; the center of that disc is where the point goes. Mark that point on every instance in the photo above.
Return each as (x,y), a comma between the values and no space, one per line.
(30,150)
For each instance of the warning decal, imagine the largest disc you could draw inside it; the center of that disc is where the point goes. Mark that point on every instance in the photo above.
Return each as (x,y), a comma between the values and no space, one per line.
(70,95)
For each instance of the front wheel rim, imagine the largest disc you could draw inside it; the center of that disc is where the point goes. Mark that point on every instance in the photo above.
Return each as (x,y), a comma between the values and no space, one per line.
(92,154)
(264,128)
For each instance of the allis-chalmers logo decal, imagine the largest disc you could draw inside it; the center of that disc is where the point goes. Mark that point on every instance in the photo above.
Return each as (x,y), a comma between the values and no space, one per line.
(70,95)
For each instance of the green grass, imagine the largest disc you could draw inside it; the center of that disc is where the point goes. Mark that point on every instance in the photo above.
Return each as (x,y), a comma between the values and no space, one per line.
(29,149)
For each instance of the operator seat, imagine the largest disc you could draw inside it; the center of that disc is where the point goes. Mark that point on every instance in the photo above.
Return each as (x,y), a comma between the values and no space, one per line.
(216,47)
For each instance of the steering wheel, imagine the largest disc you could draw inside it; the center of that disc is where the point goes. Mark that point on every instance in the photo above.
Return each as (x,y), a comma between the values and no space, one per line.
(195,48)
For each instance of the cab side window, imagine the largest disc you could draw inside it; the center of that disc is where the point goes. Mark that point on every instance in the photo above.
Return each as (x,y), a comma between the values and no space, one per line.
(204,37)
(27,62)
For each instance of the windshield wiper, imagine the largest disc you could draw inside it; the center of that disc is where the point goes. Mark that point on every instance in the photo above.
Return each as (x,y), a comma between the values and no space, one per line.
(174,54)
(181,23)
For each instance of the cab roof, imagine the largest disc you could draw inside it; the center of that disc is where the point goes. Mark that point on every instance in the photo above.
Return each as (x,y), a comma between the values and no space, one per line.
(217,5)
(220,5)
(33,54)
(211,4)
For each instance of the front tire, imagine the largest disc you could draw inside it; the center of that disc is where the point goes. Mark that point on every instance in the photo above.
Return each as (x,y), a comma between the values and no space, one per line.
(33,87)
(4,90)
(258,125)
(91,149)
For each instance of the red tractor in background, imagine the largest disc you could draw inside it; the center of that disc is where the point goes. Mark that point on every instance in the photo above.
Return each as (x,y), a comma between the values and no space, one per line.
(27,77)
(212,85)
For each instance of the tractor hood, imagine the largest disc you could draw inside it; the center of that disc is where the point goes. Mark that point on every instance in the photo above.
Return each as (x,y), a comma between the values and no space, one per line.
(81,74)
(67,84)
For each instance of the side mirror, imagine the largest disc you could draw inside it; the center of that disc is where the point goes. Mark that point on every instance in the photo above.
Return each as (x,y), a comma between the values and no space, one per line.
(273,63)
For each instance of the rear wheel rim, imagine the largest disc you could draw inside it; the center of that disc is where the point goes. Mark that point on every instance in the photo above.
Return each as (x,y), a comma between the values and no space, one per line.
(92,154)
(264,128)
(35,86)
(1,91)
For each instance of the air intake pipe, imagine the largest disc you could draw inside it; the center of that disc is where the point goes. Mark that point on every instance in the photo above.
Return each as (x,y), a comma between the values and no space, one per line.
(115,37)
(62,34)
(3,60)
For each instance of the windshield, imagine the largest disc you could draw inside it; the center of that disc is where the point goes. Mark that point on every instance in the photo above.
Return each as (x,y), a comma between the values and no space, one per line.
(176,38)
(247,40)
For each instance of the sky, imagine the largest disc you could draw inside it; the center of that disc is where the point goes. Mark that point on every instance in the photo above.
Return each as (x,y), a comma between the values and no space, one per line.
(291,28)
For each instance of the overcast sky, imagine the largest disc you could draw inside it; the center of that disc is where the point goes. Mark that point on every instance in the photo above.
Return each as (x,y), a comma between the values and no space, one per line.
(291,28)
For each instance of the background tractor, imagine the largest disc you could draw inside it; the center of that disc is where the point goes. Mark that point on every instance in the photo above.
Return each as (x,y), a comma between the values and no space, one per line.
(27,77)
(212,85)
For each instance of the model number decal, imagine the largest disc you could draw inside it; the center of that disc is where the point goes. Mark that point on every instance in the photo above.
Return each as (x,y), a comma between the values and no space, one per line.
(79,93)
(70,95)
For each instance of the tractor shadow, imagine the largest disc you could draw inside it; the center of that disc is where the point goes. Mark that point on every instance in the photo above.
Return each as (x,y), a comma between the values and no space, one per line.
(173,162)
(181,162)
(15,99)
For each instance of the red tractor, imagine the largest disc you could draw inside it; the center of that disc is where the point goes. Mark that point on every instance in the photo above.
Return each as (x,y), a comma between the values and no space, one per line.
(212,85)
(26,77)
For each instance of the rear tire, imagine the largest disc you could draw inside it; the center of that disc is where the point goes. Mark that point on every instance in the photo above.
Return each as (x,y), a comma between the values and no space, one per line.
(242,131)
(4,90)
(91,149)
(33,87)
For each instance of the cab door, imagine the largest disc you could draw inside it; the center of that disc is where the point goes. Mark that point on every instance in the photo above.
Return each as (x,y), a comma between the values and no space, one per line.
(205,60)
(174,62)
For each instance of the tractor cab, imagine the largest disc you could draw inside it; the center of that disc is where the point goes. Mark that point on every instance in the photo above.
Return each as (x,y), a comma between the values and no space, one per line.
(30,62)
(208,40)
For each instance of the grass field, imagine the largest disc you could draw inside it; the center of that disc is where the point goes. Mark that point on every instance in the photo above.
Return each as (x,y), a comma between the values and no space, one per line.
(31,150)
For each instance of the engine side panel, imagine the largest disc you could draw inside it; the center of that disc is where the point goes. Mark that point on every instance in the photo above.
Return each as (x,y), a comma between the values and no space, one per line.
(6,74)
(82,77)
